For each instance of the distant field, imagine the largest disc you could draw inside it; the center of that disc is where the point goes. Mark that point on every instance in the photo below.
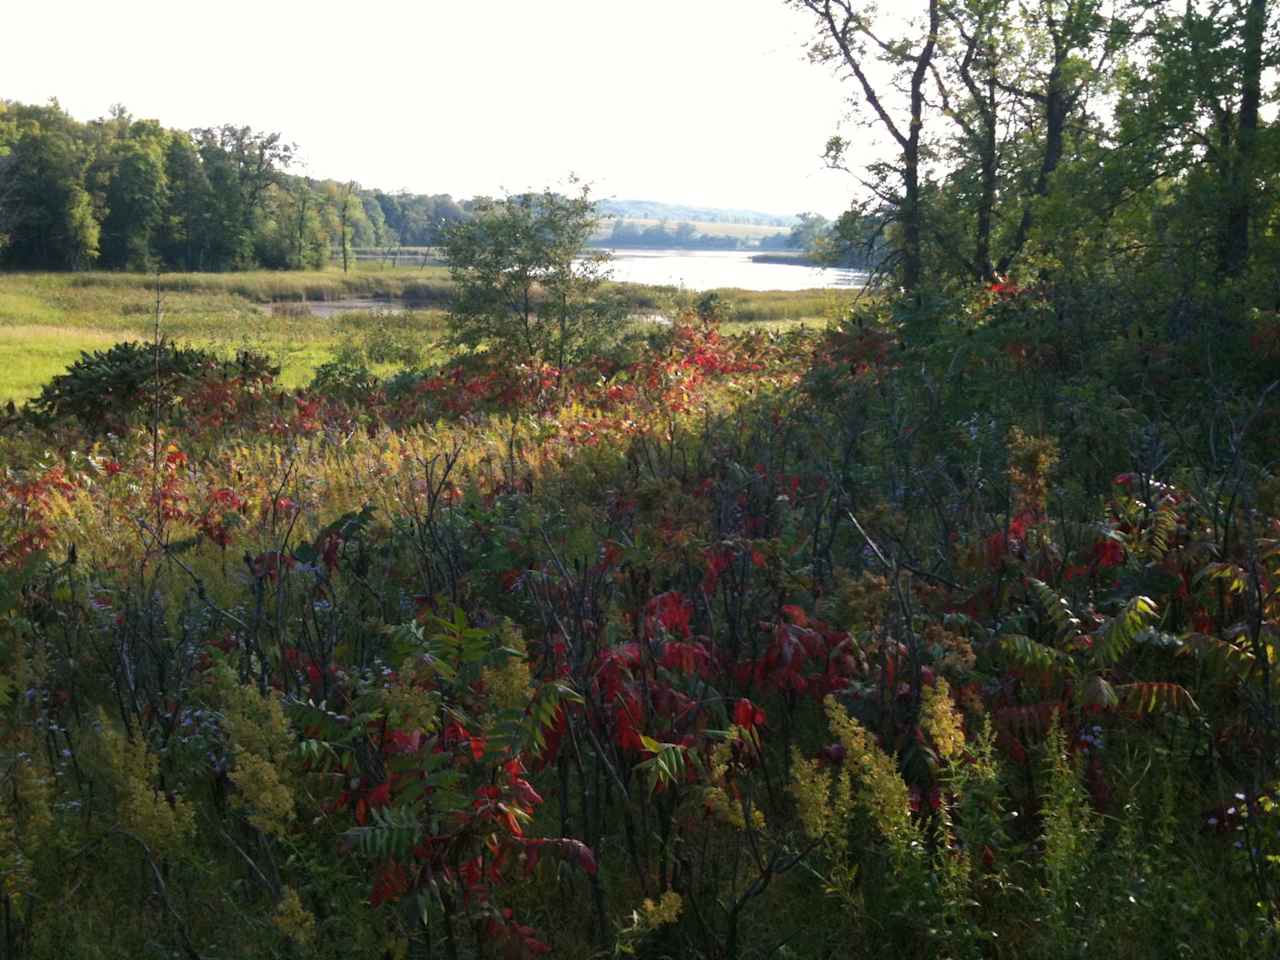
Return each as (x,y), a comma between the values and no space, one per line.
(48,319)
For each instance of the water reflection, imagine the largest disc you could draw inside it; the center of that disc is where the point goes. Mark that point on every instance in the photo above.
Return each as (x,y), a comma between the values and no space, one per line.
(710,269)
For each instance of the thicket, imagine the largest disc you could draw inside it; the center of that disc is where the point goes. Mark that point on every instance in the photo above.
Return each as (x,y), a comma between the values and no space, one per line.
(105,389)
(821,644)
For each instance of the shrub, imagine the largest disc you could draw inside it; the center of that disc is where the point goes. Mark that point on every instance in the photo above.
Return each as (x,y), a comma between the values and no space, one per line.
(346,377)
(524,288)
(104,388)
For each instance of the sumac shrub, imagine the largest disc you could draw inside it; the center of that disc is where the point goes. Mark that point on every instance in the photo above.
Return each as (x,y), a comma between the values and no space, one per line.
(103,389)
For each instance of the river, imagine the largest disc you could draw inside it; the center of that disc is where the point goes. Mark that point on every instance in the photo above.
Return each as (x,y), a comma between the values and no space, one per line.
(711,269)
(690,269)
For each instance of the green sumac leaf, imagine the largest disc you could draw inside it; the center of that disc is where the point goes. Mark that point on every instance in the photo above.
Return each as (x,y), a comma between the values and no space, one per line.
(1025,652)
(1116,636)
(1065,622)
(1144,699)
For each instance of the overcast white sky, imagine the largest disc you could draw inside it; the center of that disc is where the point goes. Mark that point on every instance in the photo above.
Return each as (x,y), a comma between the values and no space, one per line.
(705,102)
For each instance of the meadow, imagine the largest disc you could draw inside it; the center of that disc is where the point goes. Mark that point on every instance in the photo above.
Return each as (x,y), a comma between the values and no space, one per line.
(48,320)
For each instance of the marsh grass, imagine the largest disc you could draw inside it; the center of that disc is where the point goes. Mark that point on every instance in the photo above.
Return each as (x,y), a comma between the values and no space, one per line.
(47,320)
(771,309)
(428,284)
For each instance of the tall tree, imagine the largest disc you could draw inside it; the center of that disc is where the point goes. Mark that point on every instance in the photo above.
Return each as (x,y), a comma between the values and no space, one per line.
(1068,45)
(808,231)
(240,164)
(854,38)
(310,245)
(977,109)
(380,235)
(8,134)
(53,224)
(135,196)
(186,229)
(1239,129)
(1193,117)
(347,206)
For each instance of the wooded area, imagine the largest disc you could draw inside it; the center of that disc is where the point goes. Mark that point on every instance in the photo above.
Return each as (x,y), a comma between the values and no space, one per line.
(1078,142)
(124,193)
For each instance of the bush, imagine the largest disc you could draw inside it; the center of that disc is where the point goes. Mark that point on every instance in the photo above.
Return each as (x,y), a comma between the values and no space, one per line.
(345,378)
(104,388)
(382,338)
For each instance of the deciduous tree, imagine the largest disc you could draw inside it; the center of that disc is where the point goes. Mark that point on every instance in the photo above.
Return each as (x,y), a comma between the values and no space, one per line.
(864,45)
(524,286)
(136,196)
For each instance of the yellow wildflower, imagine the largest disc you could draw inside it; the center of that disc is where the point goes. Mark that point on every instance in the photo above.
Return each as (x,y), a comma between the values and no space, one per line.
(882,791)
(510,685)
(163,822)
(940,720)
(262,793)
(665,911)
(293,920)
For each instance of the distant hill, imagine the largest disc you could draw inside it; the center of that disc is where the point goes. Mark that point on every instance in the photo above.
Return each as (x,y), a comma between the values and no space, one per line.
(655,211)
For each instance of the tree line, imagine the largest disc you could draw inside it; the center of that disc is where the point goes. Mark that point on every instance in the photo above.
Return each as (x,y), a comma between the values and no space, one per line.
(126,193)
(130,194)
(1061,140)
(685,236)
(853,241)
(655,210)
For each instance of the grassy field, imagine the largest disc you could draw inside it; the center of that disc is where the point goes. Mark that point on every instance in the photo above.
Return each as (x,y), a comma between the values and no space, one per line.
(47,320)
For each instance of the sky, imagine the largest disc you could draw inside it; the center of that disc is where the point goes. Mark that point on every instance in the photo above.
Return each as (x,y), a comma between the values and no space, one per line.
(705,102)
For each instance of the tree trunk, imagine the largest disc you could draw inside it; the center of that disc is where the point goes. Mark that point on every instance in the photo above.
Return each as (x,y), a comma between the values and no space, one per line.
(987,194)
(841,24)
(1055,121)
(1234,256)
(912,255)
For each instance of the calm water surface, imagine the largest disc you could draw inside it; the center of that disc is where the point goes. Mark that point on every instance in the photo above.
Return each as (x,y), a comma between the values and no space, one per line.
(690,269)
(709,269)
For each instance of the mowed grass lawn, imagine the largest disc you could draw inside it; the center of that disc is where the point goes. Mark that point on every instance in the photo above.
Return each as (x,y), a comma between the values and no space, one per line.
(47,320)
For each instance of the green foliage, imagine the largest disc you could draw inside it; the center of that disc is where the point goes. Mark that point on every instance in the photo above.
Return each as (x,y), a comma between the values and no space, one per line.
(524,288)
(136,196)
(949,631)
(129,194)
(1064,622)
(1027,653)
(104,388)
(1031,176)
(1069,835)
(1115,639)
(346,377)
